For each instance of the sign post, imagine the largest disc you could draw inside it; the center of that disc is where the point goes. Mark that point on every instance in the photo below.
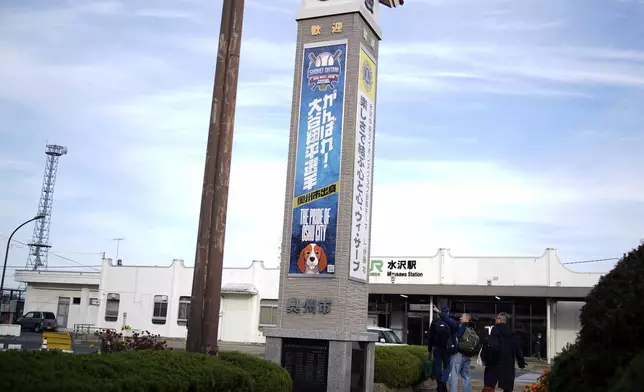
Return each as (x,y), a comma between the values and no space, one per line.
(321,334)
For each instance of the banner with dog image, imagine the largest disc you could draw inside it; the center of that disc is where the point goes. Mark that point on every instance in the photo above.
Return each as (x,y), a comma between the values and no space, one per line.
(317,163)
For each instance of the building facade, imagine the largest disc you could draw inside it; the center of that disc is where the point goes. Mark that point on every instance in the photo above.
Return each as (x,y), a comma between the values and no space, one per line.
(541,295)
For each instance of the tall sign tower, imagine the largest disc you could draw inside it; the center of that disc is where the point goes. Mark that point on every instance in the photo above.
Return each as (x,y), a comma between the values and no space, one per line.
(321,333)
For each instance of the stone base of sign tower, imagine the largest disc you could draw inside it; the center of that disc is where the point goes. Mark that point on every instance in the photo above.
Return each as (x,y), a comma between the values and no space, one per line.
(325,365)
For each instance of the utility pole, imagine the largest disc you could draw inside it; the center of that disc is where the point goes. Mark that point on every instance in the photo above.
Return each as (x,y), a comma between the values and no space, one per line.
(203,321)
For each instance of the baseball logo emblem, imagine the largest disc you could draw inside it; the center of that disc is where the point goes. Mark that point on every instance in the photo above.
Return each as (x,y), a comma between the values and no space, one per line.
(367,75)
(324,70)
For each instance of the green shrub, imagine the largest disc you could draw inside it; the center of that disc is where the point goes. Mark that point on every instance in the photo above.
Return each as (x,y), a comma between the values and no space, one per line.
(631,379)
(610,335)
(136,371)
(566,373)
(397,367)
(418,351)
(268,376)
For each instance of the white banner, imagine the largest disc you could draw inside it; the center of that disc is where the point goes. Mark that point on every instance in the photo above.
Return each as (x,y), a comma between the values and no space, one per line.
(363,169)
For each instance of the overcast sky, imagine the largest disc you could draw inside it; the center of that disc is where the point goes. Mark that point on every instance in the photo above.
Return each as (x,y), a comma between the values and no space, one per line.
(503,127)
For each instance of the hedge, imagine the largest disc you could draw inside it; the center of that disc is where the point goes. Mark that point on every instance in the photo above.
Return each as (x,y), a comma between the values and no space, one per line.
(632,378)
(268,376)
(610,336)
(400,366)
(137,371)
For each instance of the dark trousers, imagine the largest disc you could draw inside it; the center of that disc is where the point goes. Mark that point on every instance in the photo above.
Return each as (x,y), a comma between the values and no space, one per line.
(441,364)
(537,351)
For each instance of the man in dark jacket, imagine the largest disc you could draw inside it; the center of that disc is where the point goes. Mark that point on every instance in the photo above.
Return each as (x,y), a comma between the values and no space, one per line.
(460,363)
(537,346)
(439,335)
(501,371)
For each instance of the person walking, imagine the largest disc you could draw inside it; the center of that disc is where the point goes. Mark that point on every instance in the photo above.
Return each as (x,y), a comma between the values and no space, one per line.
(459,361)
(537,346)
(439,337)
(499,354)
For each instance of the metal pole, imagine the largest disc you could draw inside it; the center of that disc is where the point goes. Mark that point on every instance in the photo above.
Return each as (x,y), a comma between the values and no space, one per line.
(203,321)
(6,253)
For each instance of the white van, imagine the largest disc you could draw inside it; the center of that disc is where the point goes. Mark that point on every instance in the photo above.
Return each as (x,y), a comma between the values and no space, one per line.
(386,336)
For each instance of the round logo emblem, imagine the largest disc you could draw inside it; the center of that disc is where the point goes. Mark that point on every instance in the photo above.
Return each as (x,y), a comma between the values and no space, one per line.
(367,76)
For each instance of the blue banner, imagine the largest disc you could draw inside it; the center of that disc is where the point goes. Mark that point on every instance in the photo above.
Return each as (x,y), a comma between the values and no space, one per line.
(317,164)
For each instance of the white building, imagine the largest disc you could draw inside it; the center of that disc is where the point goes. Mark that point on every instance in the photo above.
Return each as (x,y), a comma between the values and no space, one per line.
(540,294)
(154,299)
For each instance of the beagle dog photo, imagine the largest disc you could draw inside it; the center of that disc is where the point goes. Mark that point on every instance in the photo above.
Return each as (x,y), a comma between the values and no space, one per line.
(312,260)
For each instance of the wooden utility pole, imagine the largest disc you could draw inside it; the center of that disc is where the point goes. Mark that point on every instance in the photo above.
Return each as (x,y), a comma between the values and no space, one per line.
(203,321)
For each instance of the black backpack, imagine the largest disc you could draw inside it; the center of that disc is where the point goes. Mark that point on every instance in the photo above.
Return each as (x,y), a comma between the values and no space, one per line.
(443,333)
(491,351)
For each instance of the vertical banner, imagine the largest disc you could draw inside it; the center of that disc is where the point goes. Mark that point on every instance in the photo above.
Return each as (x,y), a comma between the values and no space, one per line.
(317,163)
(363,168)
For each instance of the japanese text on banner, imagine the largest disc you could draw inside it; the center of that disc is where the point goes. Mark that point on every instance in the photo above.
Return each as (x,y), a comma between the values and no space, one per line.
(363,168)
(317,167)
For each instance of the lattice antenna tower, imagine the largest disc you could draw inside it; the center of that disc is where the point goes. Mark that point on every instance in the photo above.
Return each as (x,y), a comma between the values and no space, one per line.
(39,245)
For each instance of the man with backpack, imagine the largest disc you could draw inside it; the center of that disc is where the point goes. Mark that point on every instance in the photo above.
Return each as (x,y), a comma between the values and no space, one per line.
(439,337)
(500,354)
(463,345)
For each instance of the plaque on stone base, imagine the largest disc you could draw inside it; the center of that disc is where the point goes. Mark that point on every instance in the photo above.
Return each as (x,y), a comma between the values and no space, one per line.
(307,362)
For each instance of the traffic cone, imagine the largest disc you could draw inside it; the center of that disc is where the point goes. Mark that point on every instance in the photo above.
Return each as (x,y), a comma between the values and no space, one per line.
(44,344)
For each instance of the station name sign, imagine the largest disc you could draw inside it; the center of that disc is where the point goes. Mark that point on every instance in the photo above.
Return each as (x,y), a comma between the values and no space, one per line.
(395,268)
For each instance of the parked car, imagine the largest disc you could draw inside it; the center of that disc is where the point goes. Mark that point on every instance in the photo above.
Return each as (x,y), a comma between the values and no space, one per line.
(39,321)
(386,336)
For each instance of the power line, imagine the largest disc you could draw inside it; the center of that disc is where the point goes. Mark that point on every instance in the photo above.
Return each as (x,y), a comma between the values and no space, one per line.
(54,266)
(51,253)
(592,261)
(79,253)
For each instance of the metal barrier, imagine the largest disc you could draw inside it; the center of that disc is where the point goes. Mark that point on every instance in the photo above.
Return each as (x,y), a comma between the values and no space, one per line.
(84,332)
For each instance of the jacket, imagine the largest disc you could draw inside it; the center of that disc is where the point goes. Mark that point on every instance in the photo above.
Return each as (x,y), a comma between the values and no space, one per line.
(502,373)
(434,335)
(458,328)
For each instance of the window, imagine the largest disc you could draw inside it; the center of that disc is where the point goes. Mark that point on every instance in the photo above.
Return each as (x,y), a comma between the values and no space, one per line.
(184,310)
(37,315)
(48,316)
(29,315)
(267,312)
(76,301)
(112,307)
(160,310)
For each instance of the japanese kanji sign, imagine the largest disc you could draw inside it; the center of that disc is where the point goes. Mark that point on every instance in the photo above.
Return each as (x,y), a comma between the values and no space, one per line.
(363,169)
(396,268)
(309,305)
(317,166)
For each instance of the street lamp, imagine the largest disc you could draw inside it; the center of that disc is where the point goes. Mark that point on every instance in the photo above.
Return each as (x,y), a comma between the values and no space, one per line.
(6,254)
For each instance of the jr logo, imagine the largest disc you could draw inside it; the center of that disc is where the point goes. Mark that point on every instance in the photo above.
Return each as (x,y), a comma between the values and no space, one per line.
(375,267)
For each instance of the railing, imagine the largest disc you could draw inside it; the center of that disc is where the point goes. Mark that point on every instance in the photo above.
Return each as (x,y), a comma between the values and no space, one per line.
(86,332)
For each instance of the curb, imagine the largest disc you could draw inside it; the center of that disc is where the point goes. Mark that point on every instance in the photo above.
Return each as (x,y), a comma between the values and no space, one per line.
(10,347)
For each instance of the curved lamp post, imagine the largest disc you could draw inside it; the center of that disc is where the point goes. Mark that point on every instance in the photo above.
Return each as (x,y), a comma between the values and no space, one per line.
(6,254)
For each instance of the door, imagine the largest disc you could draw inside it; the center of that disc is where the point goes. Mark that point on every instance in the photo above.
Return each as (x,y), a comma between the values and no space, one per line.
(27,321)
(62,314)
(418,328)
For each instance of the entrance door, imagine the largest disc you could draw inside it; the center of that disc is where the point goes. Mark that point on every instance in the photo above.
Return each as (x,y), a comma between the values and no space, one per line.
(418,328)
(62,314)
